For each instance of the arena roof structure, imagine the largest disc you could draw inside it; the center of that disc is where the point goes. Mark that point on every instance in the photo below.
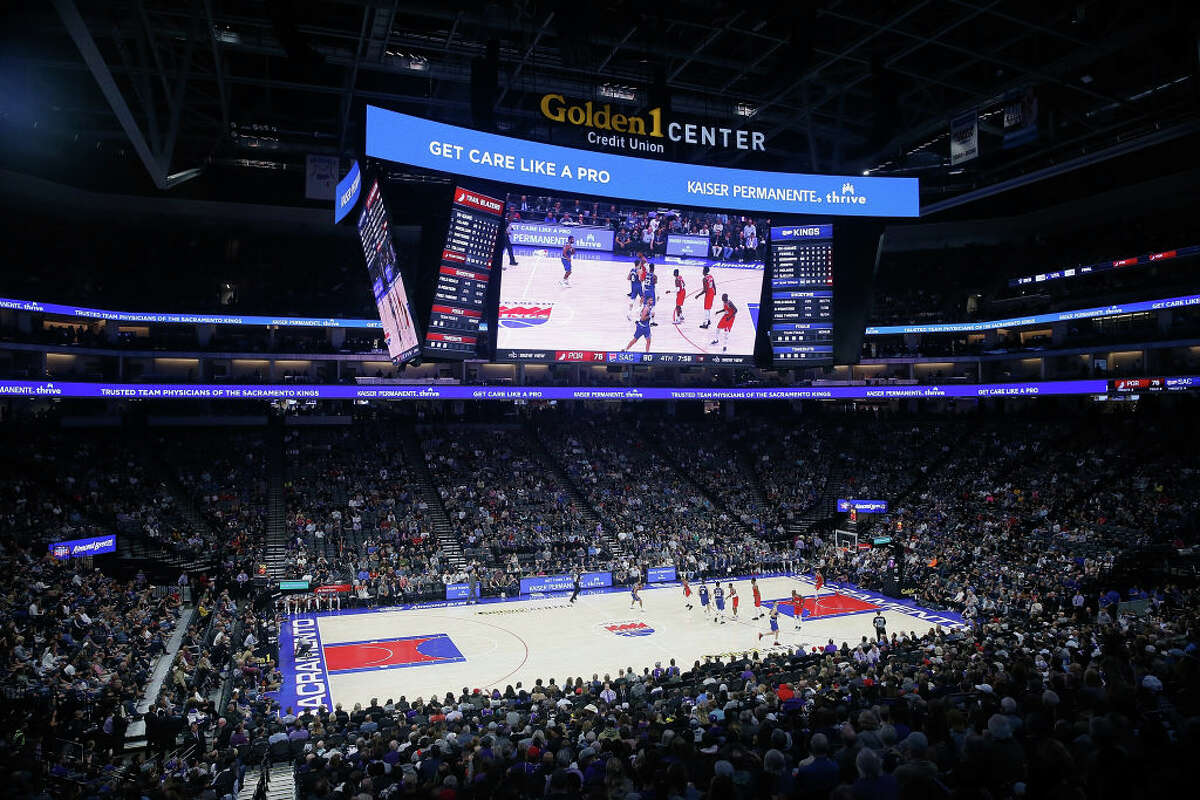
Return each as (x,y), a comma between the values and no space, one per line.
(174,89)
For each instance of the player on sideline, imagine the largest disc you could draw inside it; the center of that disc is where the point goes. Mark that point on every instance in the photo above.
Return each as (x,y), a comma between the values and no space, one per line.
(687,595)
(733,599)
(758,612)
(680,296)
(725,323)
(719,602)
(641,328)
(709,290)
(636,598)
(703,597)
(636,273)
(797,608)
(650,291)
(567,252)
(576,577)
(774,623)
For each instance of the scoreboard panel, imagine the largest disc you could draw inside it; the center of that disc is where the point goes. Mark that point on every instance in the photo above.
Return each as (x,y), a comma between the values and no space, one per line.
(802,294)
(464,273)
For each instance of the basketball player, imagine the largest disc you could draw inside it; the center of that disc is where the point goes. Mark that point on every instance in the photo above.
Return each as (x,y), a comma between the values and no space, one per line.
(719,602)
(650,291)
(567,252)
(733,599)
(636,273)
(641,328)
(704,598)
(680,296)
(636,599)
(708,288)
(725,323)
(687,595)
(758,612)
(797,608)
(774,620)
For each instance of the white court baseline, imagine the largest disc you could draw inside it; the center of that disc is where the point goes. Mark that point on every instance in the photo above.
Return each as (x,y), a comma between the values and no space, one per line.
(503,643)
(591,314)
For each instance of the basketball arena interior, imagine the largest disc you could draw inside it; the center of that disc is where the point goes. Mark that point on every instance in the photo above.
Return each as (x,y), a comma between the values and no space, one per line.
(599,401)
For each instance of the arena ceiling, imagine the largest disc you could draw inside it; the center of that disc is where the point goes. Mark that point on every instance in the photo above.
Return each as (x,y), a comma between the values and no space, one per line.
(184,89)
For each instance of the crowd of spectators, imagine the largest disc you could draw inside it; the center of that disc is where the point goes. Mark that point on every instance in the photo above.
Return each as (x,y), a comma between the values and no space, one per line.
(505,507)
(353,516)
(731,237)
(1053,687)
(659,516)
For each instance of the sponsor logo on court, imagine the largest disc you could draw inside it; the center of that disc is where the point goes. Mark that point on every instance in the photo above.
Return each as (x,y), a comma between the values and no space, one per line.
(525,316)
(521,610)
(628,629)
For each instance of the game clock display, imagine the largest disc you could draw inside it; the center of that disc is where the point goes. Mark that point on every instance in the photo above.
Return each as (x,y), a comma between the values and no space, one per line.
(464,273)
(802,293)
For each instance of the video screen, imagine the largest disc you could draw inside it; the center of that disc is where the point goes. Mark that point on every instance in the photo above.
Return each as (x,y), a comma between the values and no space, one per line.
(617,283)
(387,284)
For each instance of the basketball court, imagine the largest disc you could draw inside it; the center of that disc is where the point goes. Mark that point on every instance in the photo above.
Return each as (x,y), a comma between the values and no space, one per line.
(538,313)
(425,651)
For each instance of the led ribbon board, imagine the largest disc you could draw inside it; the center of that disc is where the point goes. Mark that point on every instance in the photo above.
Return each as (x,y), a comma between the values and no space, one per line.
(405,139)
(191,391)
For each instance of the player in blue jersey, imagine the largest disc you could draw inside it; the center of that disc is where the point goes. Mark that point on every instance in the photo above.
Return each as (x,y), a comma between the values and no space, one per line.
(774,619)
(650,292)
(636,273)
(568,251)
(635,597)
(719,602)
(641,328)
(704,597)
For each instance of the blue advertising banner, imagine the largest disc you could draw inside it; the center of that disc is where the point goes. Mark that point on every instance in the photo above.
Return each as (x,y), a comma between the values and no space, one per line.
(1039,319)
(458,591)
(863,506)
(562,583)
(80,548)
(192,391)
(348,189)
(681,245)
(660,574)
(405,139)
(549,234)
(793,233)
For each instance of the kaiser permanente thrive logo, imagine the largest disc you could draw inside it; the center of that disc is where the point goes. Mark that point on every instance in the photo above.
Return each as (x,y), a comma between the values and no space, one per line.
(847,196)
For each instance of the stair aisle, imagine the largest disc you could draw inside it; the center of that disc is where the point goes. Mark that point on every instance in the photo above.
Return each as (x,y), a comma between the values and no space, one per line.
(427,490)
(539,450)
(276,512)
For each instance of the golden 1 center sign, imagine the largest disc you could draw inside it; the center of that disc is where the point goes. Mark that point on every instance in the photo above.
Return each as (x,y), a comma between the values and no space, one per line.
(639,132)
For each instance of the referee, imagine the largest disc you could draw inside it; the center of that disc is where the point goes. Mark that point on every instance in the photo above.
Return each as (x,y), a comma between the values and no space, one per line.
(880,627)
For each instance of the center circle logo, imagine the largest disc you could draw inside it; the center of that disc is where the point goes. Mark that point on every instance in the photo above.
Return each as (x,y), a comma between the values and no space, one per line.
(626,628)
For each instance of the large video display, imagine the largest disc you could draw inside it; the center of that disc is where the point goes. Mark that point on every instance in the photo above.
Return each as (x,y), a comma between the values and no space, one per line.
(387,284)
(604,283)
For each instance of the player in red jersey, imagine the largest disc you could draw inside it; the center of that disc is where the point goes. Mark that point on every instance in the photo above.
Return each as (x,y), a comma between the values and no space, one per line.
(797,608)
(687,595)
(708,288)
(725,323)
(680,296)
(733,598)
(757,598)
